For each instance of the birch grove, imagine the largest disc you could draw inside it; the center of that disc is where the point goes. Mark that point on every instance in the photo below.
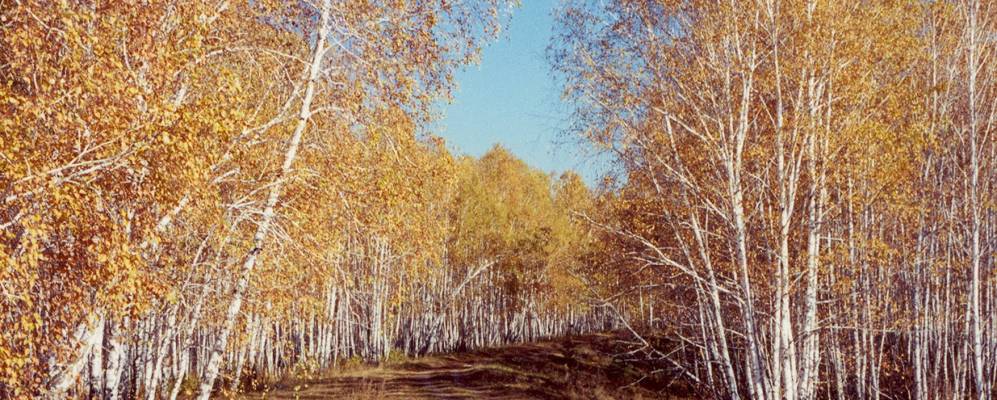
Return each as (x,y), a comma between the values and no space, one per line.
(201,198)
(807,186)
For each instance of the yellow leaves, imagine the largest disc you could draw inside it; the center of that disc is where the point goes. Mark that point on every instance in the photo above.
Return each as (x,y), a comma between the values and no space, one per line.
(138,107)
(30,322)
(506,210)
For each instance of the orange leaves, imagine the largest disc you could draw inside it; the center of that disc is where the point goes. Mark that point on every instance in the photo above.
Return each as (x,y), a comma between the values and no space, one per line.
(137,145)
(89,158)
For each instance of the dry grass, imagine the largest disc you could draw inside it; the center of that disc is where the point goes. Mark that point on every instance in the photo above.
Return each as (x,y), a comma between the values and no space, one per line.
(580,367)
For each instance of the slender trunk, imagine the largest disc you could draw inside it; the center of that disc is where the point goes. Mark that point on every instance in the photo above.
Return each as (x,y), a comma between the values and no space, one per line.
(973,203)
(214,361)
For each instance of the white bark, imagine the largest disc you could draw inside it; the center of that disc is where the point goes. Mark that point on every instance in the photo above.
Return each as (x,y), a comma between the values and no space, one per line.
(87,336)
(116,360)
(973,70)
(262,231)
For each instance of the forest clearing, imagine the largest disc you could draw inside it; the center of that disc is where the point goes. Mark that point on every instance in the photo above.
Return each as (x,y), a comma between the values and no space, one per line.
(203,199)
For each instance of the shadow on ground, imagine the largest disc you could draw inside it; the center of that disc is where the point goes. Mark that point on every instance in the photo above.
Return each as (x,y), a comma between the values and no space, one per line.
(578,367)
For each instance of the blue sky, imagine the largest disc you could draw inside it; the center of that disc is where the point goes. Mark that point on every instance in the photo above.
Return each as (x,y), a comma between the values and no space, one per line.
(511,98)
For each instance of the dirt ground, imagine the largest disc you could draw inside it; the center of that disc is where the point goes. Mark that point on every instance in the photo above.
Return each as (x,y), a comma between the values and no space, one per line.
(578,367)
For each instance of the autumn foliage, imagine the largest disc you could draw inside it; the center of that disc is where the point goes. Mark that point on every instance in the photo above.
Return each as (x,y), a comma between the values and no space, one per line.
(806,188)
(194,190)
(201,197)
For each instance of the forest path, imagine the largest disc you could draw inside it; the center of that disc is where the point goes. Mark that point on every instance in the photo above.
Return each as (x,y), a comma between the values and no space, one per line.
(577,367)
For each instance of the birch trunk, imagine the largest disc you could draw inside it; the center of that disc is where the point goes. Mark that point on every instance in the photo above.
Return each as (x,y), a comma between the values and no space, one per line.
(973,200)
(87,337)
(259,238)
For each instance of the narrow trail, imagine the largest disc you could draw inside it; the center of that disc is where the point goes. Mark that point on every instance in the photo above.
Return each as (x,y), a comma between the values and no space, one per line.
(581,367)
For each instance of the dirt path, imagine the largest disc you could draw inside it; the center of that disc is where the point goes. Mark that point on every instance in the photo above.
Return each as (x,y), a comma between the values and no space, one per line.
(583,367)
